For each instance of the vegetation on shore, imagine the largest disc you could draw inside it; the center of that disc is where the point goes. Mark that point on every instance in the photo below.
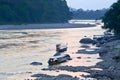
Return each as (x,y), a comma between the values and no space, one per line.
(111,21)
(111,18)
(33,11)
(88,14)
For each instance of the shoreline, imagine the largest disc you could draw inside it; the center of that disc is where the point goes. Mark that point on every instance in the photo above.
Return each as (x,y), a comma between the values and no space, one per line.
(107,69)
(44,26)
(110,63)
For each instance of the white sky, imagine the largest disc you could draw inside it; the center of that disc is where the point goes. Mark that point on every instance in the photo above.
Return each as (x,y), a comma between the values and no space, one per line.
(90,4)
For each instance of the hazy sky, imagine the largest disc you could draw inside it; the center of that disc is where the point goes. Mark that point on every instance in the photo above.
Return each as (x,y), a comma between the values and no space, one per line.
(90,4)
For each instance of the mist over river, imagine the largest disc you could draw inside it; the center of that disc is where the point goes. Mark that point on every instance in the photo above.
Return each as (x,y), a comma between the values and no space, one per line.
(19,48)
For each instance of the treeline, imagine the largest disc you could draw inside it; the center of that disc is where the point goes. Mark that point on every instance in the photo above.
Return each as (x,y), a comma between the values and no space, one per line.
(33,11)
(88,14)
(111,18)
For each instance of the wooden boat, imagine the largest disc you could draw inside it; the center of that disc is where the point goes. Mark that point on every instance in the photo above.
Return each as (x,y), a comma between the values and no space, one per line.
(59,59)
(61,47)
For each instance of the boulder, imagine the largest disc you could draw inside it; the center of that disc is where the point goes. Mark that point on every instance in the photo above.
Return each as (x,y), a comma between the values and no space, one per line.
(36,63)
(102,52)
(86,41)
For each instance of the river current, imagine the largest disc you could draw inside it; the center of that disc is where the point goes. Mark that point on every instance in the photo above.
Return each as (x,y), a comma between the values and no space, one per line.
(19,48)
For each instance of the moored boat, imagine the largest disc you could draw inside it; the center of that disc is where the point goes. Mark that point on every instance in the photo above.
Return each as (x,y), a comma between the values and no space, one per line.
(59,59)
(61,47)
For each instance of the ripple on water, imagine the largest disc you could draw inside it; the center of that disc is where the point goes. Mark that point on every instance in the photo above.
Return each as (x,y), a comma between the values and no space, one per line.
(42,43)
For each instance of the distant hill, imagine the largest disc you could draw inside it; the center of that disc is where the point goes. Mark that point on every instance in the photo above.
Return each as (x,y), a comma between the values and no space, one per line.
(88,14)
(33,11)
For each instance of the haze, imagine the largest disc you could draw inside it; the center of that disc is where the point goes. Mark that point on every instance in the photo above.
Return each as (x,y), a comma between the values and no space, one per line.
(90,4)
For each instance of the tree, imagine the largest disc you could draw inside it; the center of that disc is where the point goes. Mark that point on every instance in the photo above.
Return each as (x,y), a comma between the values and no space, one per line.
(88,14)
(111,18)
(33,11)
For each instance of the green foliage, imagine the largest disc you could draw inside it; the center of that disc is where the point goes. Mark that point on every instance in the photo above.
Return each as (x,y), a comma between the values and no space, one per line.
(88,14)
(33,11)
(111,18)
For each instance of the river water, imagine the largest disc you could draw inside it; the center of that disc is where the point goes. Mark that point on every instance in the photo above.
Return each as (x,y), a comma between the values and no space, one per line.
(19,48)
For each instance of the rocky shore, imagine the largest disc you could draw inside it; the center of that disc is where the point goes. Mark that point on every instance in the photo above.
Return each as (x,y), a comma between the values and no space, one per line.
(59,77)
(108,69)
(110,53)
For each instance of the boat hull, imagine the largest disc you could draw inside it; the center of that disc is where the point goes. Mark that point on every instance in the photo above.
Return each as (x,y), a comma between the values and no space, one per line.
(59,59)
(61,50)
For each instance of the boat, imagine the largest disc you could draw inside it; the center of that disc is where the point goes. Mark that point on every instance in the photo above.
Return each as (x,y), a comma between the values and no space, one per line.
(59,59)
(61,47)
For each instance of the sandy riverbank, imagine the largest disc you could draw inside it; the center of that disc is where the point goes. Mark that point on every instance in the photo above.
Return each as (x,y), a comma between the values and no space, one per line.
(45,26)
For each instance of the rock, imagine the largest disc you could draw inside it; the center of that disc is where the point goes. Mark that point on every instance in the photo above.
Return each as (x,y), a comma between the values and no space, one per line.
(116,58)
(29,72)
(36,63)
(102,52)
(85,46)
(79,57)
(24,32)
(48,77)
(86,41)
(111,68)
(65,77)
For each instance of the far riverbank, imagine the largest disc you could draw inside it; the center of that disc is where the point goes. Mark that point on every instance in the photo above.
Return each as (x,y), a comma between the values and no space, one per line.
(46,26)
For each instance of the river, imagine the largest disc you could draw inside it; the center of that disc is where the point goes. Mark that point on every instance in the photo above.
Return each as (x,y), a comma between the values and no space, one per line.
(19,48)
